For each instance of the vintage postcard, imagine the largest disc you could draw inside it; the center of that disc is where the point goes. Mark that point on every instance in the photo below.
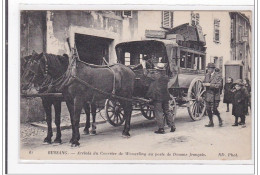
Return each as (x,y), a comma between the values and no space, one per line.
(136,85)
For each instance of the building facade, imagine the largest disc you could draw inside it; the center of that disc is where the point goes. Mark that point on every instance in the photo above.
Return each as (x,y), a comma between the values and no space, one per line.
(215,26)
(227,35)
(239,65)
(94,33)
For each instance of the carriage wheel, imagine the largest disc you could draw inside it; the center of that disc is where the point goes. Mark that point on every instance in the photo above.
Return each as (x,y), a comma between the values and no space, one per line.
(173,106)
(196,104)
(147,112)
(114,113)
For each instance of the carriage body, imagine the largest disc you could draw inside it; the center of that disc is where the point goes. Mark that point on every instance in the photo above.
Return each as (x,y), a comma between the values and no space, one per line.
(185,66)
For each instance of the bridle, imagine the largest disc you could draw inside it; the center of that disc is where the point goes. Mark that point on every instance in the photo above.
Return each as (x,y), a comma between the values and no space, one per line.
(33,66)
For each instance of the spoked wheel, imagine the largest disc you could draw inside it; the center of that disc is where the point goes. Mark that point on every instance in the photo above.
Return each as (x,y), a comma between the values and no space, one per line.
(147,112)
(196,104)
(114,113)
(173,106)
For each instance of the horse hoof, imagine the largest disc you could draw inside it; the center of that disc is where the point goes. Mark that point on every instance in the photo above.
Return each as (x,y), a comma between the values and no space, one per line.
(125,134)
(93,133)
(86,132)
(47,141)
(70,141)
(75,144)
(57,141)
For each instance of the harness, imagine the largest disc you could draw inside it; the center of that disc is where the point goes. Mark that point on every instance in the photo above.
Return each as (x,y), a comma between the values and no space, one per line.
(107,65)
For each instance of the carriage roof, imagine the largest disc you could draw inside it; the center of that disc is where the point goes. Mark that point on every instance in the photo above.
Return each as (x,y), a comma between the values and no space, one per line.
(146,44)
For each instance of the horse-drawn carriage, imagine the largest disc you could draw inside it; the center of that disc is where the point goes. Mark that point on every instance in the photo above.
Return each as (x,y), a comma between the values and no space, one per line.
(79,83)
(184,66)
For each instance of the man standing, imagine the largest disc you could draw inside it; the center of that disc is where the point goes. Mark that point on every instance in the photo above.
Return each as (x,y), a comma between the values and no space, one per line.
(213,84)
(160,96)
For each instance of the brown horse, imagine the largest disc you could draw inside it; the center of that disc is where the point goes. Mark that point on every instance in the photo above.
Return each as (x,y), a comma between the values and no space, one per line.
(40,70)
(100,78)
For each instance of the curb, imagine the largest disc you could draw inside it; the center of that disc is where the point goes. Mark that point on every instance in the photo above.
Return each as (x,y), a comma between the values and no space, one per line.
(68,126)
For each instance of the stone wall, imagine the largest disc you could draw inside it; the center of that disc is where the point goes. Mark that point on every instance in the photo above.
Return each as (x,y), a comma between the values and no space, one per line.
(31,110)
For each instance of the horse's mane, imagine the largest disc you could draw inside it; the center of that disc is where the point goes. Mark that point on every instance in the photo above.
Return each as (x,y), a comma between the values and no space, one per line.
(57,60)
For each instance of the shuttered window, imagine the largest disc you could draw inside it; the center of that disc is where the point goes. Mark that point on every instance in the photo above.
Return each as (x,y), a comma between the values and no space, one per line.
(167,19)
(240,30)
(127,14)
(195,19)
(232,29)
(216,31)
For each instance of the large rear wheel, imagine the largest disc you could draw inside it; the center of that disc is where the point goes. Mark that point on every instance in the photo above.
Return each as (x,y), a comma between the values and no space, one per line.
(196,104)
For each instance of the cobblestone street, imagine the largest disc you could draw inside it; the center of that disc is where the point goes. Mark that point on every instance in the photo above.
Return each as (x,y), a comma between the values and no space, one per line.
(191,141)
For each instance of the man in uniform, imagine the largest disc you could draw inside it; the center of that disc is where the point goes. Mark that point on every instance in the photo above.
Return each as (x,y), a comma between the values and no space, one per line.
(160,96)
(213,84)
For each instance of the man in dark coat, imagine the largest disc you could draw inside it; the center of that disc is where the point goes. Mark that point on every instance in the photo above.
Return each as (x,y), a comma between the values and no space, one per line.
(228,95)
(213,83)
(160,96)
(239,98)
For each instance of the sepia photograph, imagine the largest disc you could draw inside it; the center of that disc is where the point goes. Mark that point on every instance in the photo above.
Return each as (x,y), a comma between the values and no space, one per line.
(136,85)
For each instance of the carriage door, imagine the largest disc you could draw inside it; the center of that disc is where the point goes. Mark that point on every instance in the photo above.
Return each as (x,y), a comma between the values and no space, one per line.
(92,49)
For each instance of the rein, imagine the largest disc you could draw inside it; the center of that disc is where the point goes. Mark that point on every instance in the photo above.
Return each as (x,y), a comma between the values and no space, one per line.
(111,95)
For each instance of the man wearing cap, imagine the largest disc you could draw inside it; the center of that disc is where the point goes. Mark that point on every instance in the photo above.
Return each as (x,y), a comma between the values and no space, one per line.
(213,83)
(160,96)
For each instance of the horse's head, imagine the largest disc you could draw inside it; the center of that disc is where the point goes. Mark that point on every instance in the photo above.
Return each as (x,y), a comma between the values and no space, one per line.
(33,71)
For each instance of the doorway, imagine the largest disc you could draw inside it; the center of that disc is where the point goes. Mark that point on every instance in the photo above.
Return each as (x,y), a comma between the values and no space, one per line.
(92,49)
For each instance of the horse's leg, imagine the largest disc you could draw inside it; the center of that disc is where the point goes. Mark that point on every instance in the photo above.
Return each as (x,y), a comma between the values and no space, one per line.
(87,111)
(78,105)
(93,112)
(47,108)
(57,107)
(70,106)
(127,106)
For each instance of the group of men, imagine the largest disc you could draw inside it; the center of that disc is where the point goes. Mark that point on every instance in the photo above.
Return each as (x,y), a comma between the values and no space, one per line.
(159,95)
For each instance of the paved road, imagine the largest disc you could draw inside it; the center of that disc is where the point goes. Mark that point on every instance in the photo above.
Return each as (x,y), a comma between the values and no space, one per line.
(190,141)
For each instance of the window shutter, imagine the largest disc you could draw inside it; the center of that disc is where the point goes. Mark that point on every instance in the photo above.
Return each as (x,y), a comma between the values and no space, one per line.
(216,30)
(232,29)
(167,19)
(221,64)
(197,19)
(127,14)
(193,19)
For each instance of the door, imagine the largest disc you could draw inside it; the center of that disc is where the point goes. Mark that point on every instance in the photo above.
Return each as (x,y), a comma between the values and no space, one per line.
(92,49)
(234,71)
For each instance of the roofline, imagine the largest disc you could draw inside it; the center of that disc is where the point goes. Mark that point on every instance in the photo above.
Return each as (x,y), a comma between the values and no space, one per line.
(163,41)
(242,15)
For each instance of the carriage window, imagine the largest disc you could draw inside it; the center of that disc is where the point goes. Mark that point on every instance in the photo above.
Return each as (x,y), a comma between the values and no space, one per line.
(189,60)
(182,59)
(127,58)
(197,62)
(202,62)
(195,65)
